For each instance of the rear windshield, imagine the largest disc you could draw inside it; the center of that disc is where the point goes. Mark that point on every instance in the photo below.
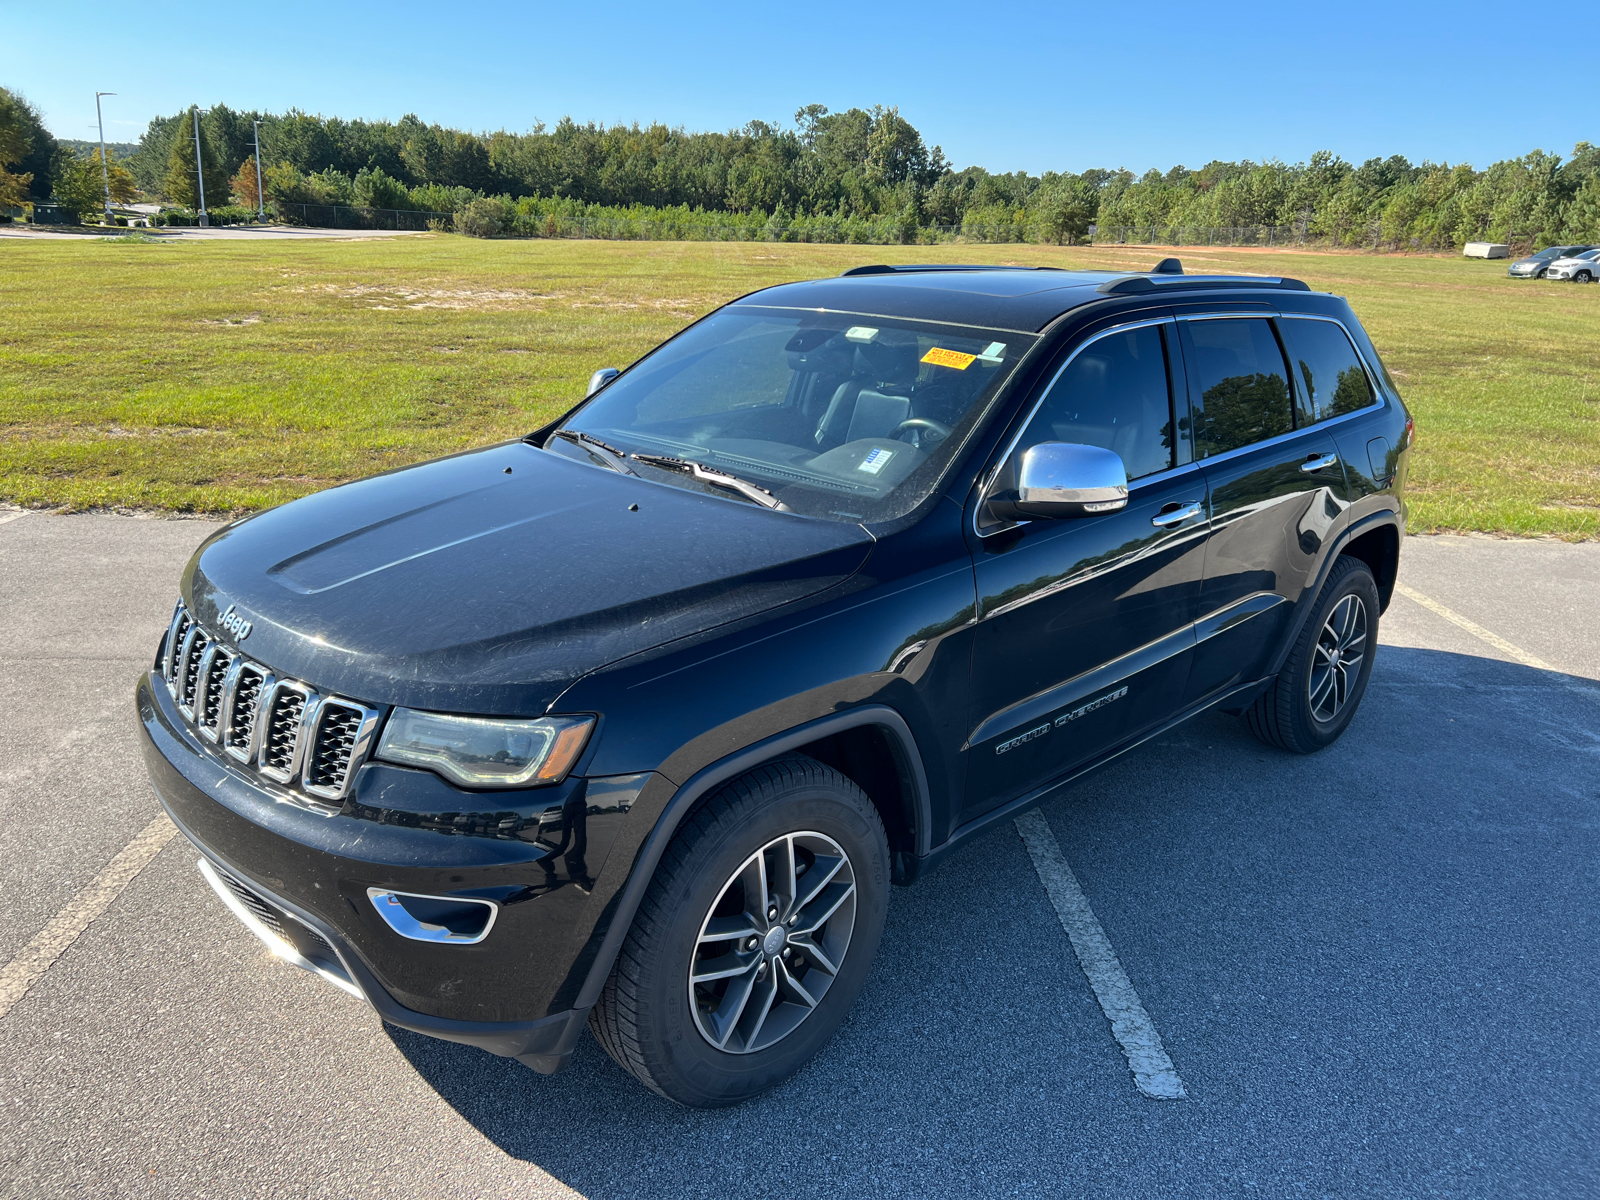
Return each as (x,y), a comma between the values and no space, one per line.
(848,417)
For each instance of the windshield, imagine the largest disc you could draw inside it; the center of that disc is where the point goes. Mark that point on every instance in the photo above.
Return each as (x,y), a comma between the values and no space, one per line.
(835,415)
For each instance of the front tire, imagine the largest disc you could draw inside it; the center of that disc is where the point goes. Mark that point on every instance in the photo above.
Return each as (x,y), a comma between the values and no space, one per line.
(754,938)
(1583,277)
(1315,696)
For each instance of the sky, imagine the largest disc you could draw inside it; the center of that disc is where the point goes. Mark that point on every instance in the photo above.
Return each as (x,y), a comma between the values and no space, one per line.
(1023,86)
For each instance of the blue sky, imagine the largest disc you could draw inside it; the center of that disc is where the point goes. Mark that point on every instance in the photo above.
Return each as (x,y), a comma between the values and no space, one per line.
(1025,86)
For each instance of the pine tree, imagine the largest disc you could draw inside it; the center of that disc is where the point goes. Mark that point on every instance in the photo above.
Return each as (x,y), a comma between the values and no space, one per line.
(180,186)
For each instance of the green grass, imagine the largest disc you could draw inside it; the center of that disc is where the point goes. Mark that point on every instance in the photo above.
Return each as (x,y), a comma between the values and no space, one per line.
(220,376)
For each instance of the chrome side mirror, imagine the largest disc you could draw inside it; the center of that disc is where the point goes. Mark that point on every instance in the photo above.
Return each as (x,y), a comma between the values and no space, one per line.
(1064,479)
(599,379)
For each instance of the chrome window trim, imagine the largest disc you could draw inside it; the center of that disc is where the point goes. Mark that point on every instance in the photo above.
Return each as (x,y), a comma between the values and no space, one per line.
(263,722)
(1382,397)
(359,748)
(1002,459)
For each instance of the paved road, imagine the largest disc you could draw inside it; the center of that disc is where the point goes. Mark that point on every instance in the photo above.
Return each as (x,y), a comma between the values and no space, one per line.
(179,233)
(1375,969)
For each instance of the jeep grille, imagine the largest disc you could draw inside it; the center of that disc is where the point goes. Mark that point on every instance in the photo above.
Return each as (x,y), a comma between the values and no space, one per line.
(280,728)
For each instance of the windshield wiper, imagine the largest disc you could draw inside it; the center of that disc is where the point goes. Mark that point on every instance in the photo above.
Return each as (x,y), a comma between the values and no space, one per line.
(618,460)
(715,478)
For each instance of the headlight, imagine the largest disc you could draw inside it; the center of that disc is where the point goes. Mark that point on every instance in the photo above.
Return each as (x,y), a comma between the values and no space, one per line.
(485,751)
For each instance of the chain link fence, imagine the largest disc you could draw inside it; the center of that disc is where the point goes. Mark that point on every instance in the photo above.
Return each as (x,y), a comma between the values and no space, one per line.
(1199,235)
(339,216)
(711,228)
(718,227)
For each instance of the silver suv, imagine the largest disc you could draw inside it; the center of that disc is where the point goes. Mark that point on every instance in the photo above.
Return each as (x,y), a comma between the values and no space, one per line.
(1579,268)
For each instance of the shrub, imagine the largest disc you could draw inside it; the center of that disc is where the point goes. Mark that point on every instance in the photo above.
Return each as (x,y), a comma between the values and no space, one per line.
(481,218)
(374,189)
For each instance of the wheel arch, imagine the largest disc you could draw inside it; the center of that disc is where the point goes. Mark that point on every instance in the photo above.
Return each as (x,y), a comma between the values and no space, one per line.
(845,741)
(1379,548)
(1375,540)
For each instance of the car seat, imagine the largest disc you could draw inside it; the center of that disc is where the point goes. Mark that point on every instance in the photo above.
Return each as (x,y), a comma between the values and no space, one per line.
(875,400)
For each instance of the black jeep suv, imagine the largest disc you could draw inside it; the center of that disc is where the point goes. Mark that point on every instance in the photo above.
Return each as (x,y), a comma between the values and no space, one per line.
(632,722)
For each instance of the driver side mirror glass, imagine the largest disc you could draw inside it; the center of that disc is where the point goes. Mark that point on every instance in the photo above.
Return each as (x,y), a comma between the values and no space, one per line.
(1063,479)
(599,379)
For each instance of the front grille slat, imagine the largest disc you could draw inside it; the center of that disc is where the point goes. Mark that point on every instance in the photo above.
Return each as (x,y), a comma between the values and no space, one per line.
(190,679)
(181,625)
(328,765)
(208,710)
(260,720)
(280,734)
(242,720)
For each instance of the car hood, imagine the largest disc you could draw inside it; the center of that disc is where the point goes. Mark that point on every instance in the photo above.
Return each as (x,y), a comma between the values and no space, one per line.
(490,581)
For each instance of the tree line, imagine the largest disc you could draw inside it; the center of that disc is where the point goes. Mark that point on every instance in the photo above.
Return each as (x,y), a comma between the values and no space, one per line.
(860,167)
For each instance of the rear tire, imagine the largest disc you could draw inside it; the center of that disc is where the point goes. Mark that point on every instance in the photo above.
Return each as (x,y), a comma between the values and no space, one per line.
(660,1024)
(1315,696)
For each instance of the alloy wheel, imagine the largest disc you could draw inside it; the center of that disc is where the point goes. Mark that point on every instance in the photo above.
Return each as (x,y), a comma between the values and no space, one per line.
(773,942)
(1336,659)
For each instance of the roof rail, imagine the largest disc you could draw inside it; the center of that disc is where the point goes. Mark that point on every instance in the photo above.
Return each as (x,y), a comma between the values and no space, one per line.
(1175,283)
(886,269)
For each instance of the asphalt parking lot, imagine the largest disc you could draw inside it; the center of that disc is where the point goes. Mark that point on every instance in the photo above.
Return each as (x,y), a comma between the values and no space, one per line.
(1375,969)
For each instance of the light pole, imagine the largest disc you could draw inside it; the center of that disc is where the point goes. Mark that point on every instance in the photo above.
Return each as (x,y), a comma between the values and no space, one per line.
(105,174)
(261,201)
(199,169)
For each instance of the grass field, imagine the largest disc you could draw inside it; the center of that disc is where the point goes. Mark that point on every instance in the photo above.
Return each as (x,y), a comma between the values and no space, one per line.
(227,376)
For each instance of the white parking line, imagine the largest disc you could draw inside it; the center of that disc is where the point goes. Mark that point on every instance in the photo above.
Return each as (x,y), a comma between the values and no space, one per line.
(1153,1072)
(1476,630)
(51,942)
(15,515)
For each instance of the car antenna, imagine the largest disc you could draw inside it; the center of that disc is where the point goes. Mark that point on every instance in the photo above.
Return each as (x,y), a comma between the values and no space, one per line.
(1167,266)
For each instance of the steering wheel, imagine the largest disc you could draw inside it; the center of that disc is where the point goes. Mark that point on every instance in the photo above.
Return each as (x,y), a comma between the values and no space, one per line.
(939,431)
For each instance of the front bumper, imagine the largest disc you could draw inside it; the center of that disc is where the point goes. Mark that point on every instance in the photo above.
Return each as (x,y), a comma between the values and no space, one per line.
(540,858)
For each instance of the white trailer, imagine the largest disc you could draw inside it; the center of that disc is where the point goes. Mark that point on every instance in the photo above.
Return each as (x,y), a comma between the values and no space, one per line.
(1487,250)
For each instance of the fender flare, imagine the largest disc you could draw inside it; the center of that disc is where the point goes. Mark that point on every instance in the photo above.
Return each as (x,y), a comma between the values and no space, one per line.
(1350,533)
(726,768)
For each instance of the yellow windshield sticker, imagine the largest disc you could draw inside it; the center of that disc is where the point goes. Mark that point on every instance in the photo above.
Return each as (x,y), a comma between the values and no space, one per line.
(941,357)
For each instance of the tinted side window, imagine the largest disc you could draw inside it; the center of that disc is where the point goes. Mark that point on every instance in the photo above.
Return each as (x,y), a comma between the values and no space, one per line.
(1114,395)
(1329,377)
(1244,387)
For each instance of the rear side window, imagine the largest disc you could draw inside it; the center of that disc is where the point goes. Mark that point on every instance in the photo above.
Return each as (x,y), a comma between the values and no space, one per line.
(1329,379)
(1114,395)
(1243,384)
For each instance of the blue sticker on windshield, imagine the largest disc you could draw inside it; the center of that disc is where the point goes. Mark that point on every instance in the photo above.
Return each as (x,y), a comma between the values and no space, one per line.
(875,460)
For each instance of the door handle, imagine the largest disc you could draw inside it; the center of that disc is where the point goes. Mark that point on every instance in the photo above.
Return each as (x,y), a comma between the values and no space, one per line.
(1179,514)
(1318,462)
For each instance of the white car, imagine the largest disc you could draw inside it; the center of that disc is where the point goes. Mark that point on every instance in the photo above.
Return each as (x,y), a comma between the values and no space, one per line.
(1580,268)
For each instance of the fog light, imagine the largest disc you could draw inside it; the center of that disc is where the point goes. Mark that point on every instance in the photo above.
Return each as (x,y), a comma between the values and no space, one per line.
(460,920)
